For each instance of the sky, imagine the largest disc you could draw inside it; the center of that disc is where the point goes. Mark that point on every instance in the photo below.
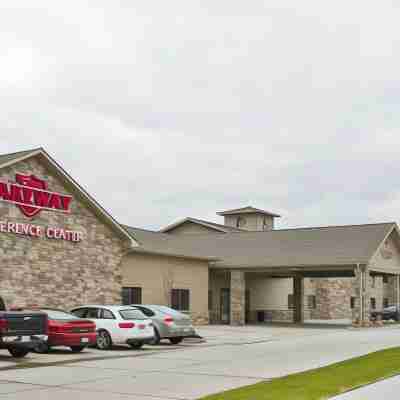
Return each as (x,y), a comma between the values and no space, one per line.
(169,109)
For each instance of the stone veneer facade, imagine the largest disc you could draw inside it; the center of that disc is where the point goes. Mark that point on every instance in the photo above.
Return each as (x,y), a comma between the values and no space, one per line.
(56,273)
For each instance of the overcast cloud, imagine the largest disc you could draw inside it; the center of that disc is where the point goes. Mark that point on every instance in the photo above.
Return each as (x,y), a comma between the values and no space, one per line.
(190,107)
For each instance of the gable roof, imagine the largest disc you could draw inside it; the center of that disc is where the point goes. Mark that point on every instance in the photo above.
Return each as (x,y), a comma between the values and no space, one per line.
(164,244)
(13,158)
(211,225)
(248,210)
(316,246)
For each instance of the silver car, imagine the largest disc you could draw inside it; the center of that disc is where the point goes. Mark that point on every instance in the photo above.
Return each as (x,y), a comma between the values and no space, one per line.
(168,323)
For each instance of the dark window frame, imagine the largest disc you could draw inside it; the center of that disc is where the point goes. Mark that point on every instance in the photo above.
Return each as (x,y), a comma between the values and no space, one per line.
(312,301)
(373,303)
(352,302)
(290,301)
(131,295)
(180,299)
(385,302)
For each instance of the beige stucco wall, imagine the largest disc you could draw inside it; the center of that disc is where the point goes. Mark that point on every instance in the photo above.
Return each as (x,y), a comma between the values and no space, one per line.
(269,293)
(156,275)
(253,222)
(57,273)
(190,227)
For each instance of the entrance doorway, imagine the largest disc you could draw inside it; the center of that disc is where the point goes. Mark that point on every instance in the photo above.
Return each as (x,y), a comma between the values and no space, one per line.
(225,305)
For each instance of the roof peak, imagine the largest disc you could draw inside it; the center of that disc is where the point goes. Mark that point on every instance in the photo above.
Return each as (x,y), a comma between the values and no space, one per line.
(247,210)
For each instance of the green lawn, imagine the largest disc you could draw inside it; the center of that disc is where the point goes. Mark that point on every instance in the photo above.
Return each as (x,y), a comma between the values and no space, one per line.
(321,383)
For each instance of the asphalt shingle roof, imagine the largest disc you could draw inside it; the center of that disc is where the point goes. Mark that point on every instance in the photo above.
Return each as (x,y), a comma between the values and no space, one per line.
(212,225)
(247,210)
(332,245)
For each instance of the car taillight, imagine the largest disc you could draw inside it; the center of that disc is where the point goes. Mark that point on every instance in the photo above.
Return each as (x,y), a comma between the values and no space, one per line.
(3,324)
(168,320)
(126,325)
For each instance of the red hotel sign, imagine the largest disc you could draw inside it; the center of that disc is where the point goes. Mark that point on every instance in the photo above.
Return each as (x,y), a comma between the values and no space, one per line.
(31,195)
(48,232)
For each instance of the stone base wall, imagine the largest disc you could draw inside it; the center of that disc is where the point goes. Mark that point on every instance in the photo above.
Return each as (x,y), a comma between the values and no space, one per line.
(332,298)
(200,319)
(276,315)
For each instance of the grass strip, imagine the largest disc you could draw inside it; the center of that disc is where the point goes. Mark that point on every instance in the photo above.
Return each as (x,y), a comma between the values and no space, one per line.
(321,383)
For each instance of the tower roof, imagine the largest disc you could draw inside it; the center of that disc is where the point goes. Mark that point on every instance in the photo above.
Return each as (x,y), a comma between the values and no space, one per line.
(247,210)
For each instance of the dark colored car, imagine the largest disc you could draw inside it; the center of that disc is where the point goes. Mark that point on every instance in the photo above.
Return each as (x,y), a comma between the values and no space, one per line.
(65,329)
(387,313)
(21,332)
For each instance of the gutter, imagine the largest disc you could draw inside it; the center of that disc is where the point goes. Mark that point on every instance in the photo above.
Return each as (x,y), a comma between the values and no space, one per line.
(176,255)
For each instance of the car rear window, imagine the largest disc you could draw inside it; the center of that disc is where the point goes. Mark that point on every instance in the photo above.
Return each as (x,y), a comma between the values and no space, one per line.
(169,311)
(132,314)
(55,314)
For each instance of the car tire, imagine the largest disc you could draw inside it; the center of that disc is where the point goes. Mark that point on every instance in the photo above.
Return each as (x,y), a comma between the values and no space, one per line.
(136,346)
(103,341)
(77,349)
(41,348)
(156,339)
(175,340)
(18,352)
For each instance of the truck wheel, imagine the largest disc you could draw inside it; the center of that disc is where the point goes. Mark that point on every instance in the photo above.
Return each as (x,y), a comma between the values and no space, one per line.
(18,352)
(41,348)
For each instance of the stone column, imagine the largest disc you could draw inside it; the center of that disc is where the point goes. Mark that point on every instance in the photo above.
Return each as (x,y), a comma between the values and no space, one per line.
(238,289)
(298,299)
(361,313)
(397,292)
(356,312)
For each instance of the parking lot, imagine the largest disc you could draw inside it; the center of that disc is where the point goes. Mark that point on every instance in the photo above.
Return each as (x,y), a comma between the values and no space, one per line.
(228,357)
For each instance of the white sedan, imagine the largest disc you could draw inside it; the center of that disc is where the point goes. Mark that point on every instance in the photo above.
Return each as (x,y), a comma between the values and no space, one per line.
(118,325)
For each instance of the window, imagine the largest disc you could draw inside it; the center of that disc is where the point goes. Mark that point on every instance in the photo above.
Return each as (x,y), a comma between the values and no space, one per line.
(290,301)
(385,279)
(80,312)
(312,301)
(373,281)
(92,313)
(352,302)
(146,311)
(210,300)
(385,302)
(373,303)
(131,295)
(180,299)
(132,314)
(59,315)
(107,314)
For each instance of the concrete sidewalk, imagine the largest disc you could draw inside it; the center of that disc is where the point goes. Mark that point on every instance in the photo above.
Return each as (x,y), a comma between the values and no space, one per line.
(387,389)
(230,358)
